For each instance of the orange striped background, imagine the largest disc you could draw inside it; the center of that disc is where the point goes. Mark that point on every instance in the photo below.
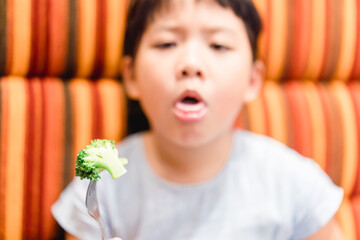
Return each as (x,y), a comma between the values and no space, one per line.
(60,64)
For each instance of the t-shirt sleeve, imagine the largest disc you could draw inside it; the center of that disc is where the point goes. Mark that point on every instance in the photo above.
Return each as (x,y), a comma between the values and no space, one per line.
(70,211)
(317,199)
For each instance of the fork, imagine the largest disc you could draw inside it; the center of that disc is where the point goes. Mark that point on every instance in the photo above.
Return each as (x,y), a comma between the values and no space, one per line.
(93,207)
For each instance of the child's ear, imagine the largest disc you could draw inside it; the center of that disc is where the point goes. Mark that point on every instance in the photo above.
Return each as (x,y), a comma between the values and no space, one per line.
(129,78)
(256,81)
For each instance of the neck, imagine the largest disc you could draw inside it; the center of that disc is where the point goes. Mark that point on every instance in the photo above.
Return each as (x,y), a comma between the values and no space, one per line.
(187,165)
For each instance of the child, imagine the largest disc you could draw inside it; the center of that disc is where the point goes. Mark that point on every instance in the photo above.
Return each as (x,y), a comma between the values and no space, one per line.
(192,65)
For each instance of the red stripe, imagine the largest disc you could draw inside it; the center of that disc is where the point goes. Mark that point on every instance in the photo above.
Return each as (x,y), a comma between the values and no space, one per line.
(38,37)
(33,161)
(301,38)
(299,117)
(334,137)
(100,38)
(56,37)
(53,150)
(333,38)
(355,205)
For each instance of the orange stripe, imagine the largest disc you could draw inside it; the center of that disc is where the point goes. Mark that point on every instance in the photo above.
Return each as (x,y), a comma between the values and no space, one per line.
(53,150)
(80,91)
(113,105)
(348,41)
(356,66)
(33,163)
(350,141)
(9,34)
(15,153)
(278,38)
(257,116)
(86,37)
(57,37)
(21,37)
(115,28)
(317,123)
(275,108)
(317,40)
(346,220)
(3,150)
(262,7)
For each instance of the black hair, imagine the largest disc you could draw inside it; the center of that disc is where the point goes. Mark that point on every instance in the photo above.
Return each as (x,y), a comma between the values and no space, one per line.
(142,12)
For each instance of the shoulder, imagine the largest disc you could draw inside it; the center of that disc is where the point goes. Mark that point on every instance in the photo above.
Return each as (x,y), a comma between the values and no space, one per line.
(298,182)
(266,149)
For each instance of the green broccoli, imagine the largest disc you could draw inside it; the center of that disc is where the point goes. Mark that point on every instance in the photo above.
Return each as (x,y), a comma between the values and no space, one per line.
(99,155)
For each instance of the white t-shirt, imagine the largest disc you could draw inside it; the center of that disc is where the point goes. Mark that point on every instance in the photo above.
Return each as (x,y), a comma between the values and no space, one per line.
(265,191)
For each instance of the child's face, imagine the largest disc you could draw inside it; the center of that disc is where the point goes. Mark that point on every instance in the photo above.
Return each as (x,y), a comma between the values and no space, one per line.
(193,72)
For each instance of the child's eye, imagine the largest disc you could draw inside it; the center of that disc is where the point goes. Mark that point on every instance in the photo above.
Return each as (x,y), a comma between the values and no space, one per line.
(165,45)
(219,47)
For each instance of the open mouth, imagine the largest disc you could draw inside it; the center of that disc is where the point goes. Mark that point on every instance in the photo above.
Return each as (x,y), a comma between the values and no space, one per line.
(190,100)
(190,107)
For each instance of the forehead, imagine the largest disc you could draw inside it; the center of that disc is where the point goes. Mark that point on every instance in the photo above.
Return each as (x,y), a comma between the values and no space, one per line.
(210,12)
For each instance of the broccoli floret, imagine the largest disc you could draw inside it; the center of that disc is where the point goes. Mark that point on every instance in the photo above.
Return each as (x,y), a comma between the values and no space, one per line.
(99,155)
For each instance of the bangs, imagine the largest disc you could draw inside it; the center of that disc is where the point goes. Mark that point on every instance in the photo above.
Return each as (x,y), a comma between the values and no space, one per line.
(142,12)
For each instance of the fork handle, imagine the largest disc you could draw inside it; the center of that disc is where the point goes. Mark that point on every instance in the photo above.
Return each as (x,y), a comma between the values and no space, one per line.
(101,229)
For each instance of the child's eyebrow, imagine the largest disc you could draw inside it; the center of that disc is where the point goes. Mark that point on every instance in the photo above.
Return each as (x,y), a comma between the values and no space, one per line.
(211,30)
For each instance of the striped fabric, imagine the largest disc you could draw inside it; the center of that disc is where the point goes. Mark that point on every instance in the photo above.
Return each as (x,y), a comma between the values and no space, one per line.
(317,40)
(81,38)
(44,124)
(60,61)
(321,121)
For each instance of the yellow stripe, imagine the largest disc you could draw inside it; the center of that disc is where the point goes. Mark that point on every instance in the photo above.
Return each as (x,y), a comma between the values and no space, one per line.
(113,106)
(317,40)
(350,141)
(21,37)
(80,91)
(348,40)
(276,111)
(115,29)
(317,123)
(278,39)
(15,144)
(86,37)
(346,220)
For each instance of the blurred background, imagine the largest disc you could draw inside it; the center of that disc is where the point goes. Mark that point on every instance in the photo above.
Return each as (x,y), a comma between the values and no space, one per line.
(60,87)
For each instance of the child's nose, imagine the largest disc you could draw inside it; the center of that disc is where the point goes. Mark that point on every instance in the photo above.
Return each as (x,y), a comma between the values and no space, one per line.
(190,65)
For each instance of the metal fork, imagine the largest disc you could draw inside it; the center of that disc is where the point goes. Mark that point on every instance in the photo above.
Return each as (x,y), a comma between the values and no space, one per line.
(93,207)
